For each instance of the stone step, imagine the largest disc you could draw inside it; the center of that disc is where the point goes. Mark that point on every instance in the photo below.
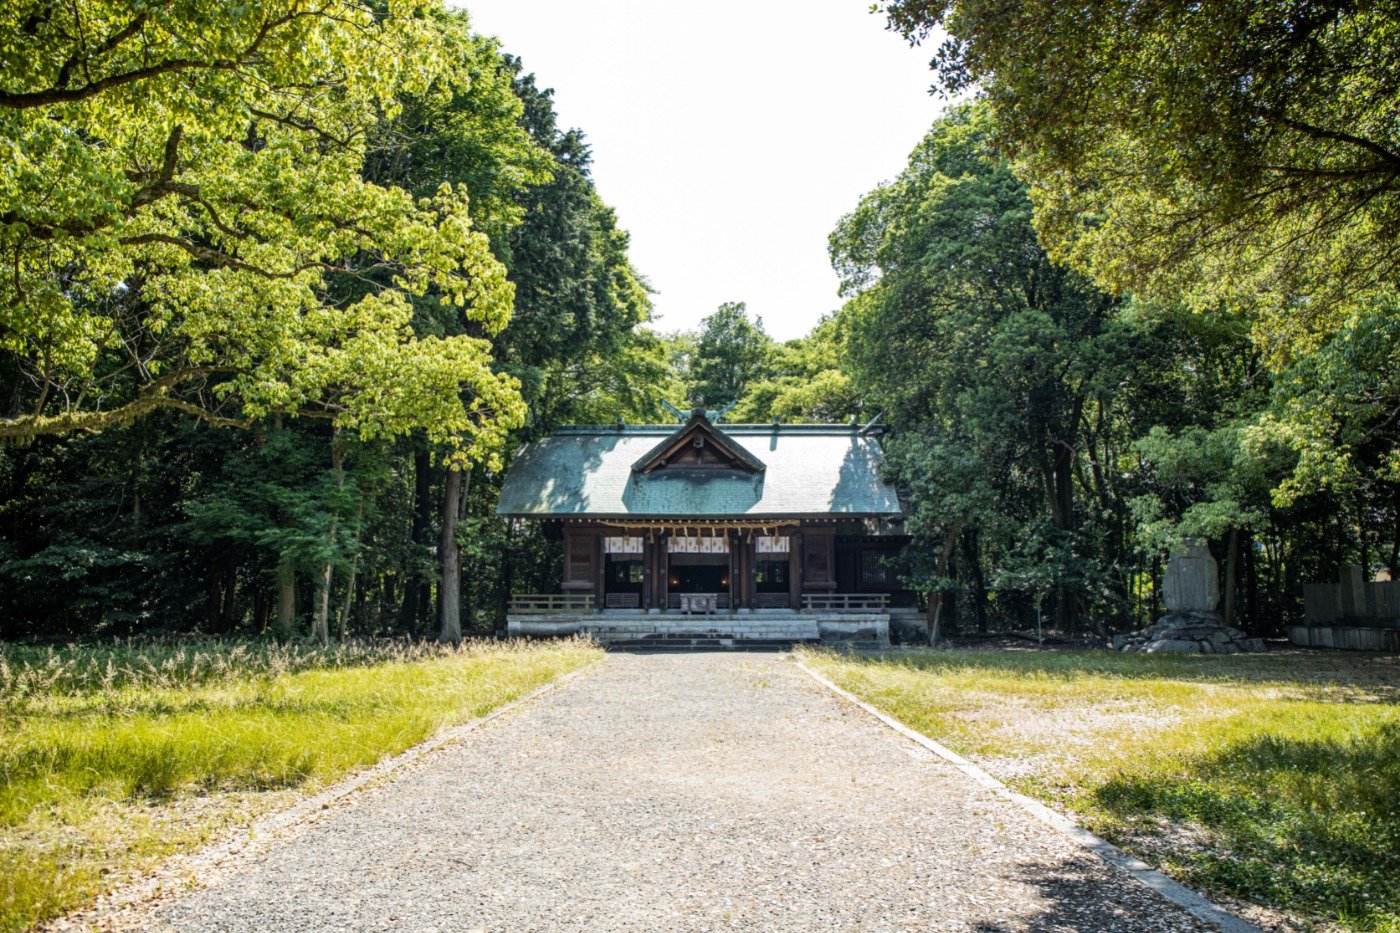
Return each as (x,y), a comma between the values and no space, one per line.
(674,643)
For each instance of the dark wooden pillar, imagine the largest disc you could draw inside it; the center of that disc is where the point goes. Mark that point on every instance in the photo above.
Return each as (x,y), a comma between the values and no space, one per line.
(581,570)
(600,562)
(648,577)
(795,569)
(663,571)
(818,558)
(745,562)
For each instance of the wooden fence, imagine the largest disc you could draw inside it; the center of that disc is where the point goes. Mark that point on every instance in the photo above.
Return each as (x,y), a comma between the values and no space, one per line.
(1353,613)
(542,603)
(846,602)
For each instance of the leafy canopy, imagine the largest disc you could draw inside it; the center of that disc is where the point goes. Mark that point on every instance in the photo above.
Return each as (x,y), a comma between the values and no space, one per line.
(1245,151)
(992,360)
(730,353)
(183,185)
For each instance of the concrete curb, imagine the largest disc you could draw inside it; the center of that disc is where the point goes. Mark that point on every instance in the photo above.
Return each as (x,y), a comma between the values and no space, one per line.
(121,908)
(1174,891)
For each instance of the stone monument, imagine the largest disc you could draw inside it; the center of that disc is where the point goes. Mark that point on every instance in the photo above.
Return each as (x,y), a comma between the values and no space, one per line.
(1191,590)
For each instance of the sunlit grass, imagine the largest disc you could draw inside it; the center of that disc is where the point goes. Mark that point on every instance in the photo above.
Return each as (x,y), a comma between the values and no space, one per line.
(1274,779)
(112,757)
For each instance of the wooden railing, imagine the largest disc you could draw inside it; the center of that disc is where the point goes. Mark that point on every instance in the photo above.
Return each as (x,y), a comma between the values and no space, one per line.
(846,602)
(551,602)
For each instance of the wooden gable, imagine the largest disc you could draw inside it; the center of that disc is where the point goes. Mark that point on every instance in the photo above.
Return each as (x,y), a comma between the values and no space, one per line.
(698,445)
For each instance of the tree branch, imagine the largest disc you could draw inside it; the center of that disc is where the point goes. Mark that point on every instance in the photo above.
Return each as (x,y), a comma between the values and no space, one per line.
(59,94)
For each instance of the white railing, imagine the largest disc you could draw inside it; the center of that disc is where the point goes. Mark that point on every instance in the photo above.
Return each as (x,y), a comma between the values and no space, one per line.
(846,602)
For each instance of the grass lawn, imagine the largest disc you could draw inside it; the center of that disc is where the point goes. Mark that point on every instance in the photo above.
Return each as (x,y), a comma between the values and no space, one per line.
(1271,780)
(112,757)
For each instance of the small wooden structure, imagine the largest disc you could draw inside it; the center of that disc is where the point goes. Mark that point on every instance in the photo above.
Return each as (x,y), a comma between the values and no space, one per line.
(718,522)
(1353,613)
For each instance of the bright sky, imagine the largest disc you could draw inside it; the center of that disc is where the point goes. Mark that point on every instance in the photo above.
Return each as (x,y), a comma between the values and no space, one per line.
(729,135)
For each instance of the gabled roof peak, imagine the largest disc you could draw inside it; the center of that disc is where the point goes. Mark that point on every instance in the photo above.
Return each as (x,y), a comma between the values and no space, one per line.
(701,445)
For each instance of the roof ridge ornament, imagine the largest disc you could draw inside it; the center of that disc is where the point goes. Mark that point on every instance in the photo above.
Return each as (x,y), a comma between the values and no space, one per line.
(711,415)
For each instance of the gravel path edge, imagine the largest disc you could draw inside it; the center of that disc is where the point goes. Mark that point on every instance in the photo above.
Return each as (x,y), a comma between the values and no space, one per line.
(181,872)
(1174,891)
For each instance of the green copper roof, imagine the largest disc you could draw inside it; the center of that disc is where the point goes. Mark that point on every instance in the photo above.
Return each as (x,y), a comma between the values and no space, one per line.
(810,470)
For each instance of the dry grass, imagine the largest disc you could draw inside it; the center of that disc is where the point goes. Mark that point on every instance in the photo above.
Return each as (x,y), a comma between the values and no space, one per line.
(112,757)
(1271,779)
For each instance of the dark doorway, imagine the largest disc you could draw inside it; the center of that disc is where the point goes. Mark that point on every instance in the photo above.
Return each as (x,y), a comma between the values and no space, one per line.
(698,573)
(700,578)
(623,582)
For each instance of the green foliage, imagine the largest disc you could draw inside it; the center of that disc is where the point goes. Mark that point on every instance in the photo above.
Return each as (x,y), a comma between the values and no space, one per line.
(105,745)
(1258,171)
(806,381)
(730,354)
(185,179)
(996,364)
(162,523)
(1272,779)
(576,341)
(1336,409)
(1056,440)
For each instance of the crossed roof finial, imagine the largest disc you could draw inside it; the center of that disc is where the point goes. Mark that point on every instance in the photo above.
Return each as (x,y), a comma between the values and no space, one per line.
(683,416)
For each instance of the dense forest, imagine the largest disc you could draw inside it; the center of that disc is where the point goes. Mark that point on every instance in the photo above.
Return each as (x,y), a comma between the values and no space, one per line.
(265,354)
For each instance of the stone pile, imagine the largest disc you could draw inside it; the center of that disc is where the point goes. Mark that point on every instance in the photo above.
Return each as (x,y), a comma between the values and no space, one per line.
(1188,633)
(1191,590)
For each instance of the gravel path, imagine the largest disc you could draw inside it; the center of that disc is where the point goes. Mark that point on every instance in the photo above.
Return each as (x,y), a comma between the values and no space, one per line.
(674,792)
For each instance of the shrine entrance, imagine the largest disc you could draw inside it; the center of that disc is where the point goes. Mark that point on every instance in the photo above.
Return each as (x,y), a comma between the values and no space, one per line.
(699,564)
(699,573)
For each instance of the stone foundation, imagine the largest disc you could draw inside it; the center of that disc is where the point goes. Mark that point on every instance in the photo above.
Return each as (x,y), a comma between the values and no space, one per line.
(1190,632)
(861,629)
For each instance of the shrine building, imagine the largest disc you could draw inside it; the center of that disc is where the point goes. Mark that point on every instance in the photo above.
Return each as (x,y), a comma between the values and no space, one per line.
(708,533)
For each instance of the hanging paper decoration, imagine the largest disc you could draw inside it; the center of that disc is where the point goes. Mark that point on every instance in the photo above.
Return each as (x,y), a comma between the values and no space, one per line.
(770,544)
(698,544)
(624,544)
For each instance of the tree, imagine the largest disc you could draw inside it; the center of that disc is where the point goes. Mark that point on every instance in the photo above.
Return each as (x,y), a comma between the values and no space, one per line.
(186,184)
(731,353)
(576,342)
(992,360)
(1240,151)
(806,381)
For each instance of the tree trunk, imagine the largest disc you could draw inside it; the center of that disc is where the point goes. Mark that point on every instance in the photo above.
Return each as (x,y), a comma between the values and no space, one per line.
(1061,491)
(1251,588)
(286,599)
(226,621)
(321,617)
(415,588)
(343,624)
(1394,565)
(1363,537)
(450,585)
(1232,566)
(507,578)
(1155,605)
(213,600)
(972,555)
(262,608)
(935,598)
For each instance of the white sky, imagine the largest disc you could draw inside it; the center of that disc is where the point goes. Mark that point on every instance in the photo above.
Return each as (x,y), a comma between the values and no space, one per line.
(729,135)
